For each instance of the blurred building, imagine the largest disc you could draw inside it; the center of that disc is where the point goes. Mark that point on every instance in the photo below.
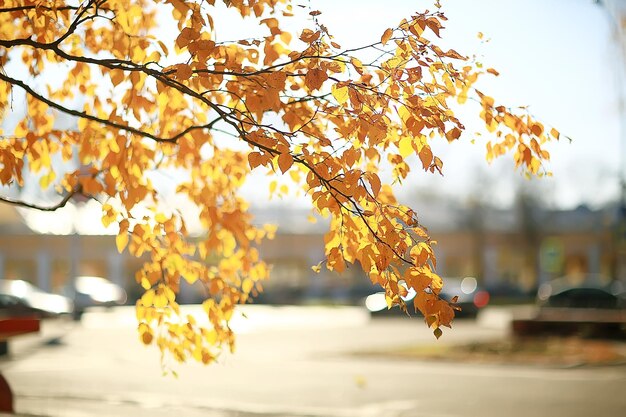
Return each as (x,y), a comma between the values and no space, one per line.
(48,260)
(508,251)
(517,250)
(617,12)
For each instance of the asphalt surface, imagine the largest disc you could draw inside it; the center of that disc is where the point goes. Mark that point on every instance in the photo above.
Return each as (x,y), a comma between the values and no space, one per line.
(294,362)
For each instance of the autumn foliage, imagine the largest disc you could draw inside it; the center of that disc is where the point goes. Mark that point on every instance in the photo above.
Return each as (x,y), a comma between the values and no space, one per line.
(210,110)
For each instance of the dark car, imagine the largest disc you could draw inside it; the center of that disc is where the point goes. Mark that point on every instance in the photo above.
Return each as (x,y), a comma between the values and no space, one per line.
(21,298)
(591,292)
(470,297)
(583,306)
(14,307)
(88,291)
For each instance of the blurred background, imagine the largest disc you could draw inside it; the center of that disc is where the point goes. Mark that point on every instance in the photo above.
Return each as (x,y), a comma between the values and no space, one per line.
(539,265)
(511,233)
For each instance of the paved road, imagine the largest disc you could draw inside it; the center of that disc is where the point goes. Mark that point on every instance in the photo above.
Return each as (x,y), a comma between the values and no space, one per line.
(294,362)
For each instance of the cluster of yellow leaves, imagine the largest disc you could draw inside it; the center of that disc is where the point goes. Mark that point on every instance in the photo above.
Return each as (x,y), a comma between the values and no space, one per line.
(312,110)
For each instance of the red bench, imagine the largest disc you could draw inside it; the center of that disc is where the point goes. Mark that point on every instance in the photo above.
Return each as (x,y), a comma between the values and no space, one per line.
(9,328)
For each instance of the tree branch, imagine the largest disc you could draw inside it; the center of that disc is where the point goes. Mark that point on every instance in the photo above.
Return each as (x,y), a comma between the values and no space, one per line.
(55,207)
(105,122)
(77,21)
(35,6)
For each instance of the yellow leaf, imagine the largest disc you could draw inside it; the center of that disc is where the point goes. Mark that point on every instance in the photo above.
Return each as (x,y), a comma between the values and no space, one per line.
(309,36)
(146,337)
(285,37)
(91,186)
(386,36)
(47,179)
(277,80)
(187,35)
(121,241)
(315,78)
(109,215)
(183,72)
(116,76)
(389,301)
(147,299)
(160,300)
(247,285)
(536,129)
(406,146)
(453,134)
(375,183)
(254,159)
(340,93)
(145,283)
(285,161)
(295,176)
(426,156)
(357,64)
(555,133)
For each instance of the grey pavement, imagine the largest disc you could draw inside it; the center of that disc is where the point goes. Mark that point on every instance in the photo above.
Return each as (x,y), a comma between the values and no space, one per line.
(294,362)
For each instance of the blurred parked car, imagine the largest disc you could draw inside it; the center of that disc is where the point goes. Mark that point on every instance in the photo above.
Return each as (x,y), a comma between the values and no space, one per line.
(87,291)
(510,292)
(20,298)
(591,292)
(471,298)
(12,307)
